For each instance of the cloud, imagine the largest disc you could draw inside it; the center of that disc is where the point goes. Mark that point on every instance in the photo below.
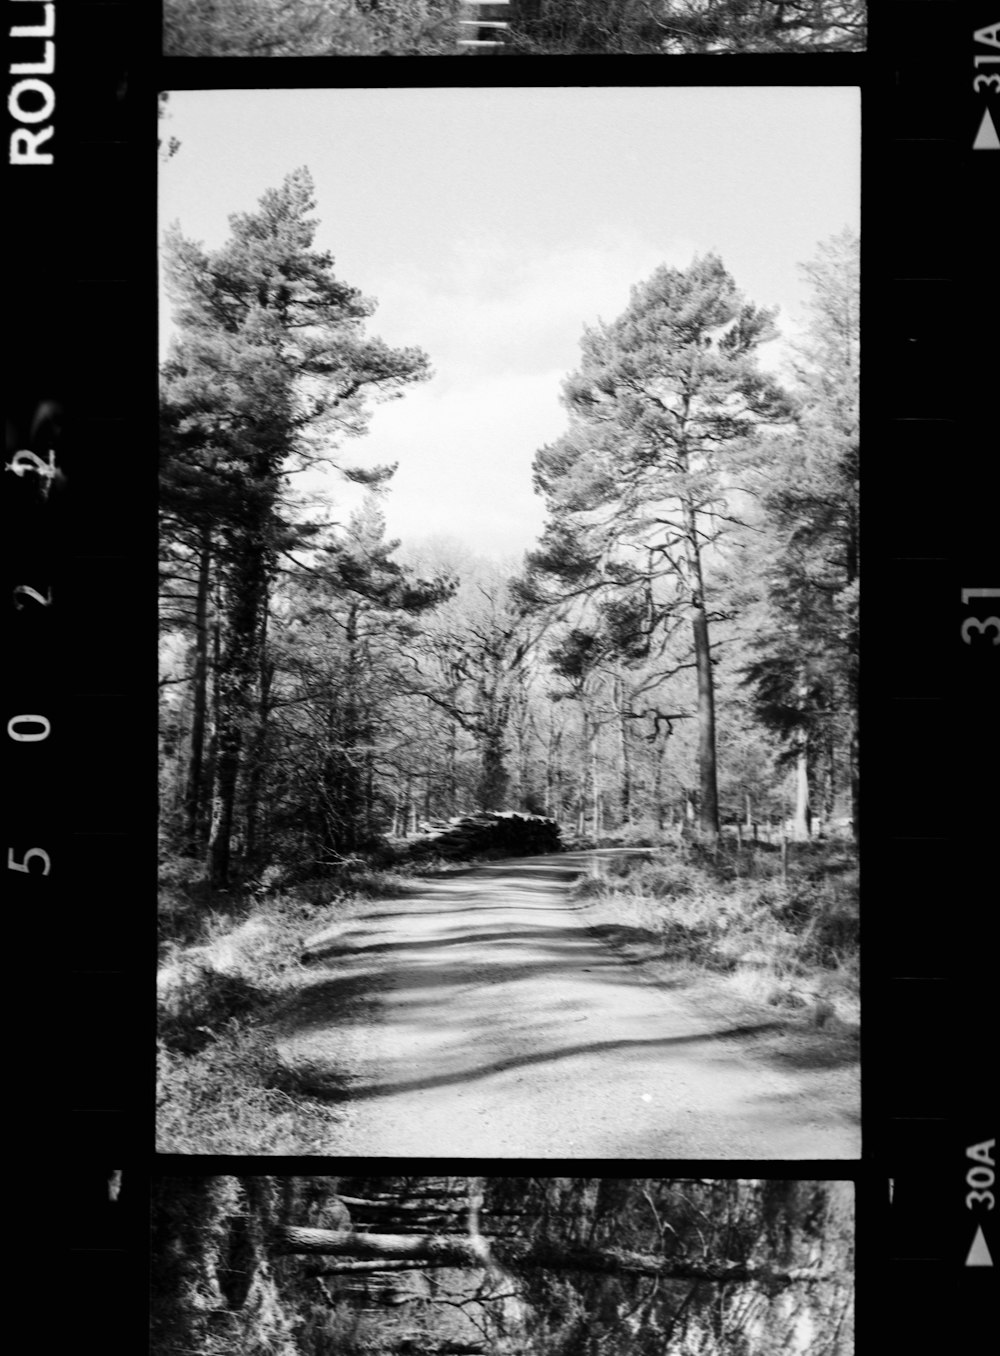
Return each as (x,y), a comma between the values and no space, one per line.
(502,330)
(465,455)
(493,308)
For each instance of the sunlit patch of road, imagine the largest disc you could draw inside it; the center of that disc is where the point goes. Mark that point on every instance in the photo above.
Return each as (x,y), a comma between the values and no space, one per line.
(505,1029)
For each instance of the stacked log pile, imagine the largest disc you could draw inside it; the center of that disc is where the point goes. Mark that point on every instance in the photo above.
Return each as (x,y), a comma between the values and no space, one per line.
(507,832)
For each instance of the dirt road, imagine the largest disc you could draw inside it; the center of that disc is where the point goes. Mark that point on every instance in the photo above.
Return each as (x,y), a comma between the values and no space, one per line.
(493,1024)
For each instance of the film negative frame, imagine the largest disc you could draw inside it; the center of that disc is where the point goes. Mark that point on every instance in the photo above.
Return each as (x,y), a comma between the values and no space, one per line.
(79,518)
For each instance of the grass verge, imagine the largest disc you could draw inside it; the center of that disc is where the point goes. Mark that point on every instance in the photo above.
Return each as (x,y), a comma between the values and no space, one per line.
(227,965)
(781,938)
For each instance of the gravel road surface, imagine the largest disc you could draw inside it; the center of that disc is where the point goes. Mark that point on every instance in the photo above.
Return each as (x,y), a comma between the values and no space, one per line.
(491,1023)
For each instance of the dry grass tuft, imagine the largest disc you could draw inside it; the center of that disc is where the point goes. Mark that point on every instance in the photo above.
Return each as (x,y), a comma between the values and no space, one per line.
(787,942)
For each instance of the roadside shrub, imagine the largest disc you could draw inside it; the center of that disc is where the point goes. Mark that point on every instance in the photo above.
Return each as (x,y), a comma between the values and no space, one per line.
(221,978)
(668,881)
(238,966)
(624,866)
(832,932)
(195,1003)
(651,875)
(183,899)
(687,938)
(640,840)
(220,1100)
(788,942)
(589,887)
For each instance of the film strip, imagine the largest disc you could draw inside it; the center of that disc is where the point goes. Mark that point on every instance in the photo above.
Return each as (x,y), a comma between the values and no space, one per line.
(79,506)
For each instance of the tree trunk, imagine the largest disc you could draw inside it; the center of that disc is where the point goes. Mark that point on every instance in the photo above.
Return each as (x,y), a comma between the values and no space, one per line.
(491,792)
(611,1261)
(345,1267)
(194,795)
(829,777)
(446,1250)
(583,772)
(239,667)
(258,750)
(227,766)
(462,1251)
(388,1207)
(659,758)
(525,798)
(708,806)
(803,815)
(593,774)
(550,781)
(330,796)
(624,755)
(451,756)
(368,825)
(708,801)
(351,809)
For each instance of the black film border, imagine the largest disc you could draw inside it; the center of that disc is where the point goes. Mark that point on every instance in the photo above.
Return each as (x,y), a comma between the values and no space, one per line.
(930,666)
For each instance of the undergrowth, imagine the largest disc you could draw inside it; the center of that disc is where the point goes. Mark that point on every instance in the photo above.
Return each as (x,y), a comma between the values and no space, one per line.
(218,1101)
(217,1291)
(787,938)
(226,960)
(297,28)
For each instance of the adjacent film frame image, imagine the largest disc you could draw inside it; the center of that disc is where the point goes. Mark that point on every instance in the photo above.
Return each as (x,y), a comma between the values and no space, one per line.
(79,502)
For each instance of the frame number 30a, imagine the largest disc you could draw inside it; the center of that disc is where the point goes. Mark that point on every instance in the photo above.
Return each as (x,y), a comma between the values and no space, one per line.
(976,625)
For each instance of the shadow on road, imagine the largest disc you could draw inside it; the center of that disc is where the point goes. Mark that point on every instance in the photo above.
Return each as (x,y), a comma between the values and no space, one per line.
(522,1027)
(347,945)
(329,1000)
(808,1048)
(317,1085)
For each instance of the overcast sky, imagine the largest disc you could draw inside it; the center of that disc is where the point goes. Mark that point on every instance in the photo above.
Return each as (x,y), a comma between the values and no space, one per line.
(491,226)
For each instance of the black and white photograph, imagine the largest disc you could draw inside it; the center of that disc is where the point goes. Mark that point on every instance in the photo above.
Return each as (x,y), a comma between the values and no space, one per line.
(509,575)
(520,28)
(501,1266)
(439,673)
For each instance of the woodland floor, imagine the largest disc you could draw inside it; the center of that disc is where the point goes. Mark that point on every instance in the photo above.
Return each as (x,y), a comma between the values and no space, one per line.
(482,1017)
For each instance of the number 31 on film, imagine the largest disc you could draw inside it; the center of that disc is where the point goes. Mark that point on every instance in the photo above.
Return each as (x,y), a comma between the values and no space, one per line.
(979,626)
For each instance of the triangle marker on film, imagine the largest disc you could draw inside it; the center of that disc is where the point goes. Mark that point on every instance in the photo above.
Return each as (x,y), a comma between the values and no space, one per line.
(986,137)
(979,1253)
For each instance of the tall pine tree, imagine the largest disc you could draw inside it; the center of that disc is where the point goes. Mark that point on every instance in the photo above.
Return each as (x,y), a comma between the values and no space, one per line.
(269,371)
(665,410)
